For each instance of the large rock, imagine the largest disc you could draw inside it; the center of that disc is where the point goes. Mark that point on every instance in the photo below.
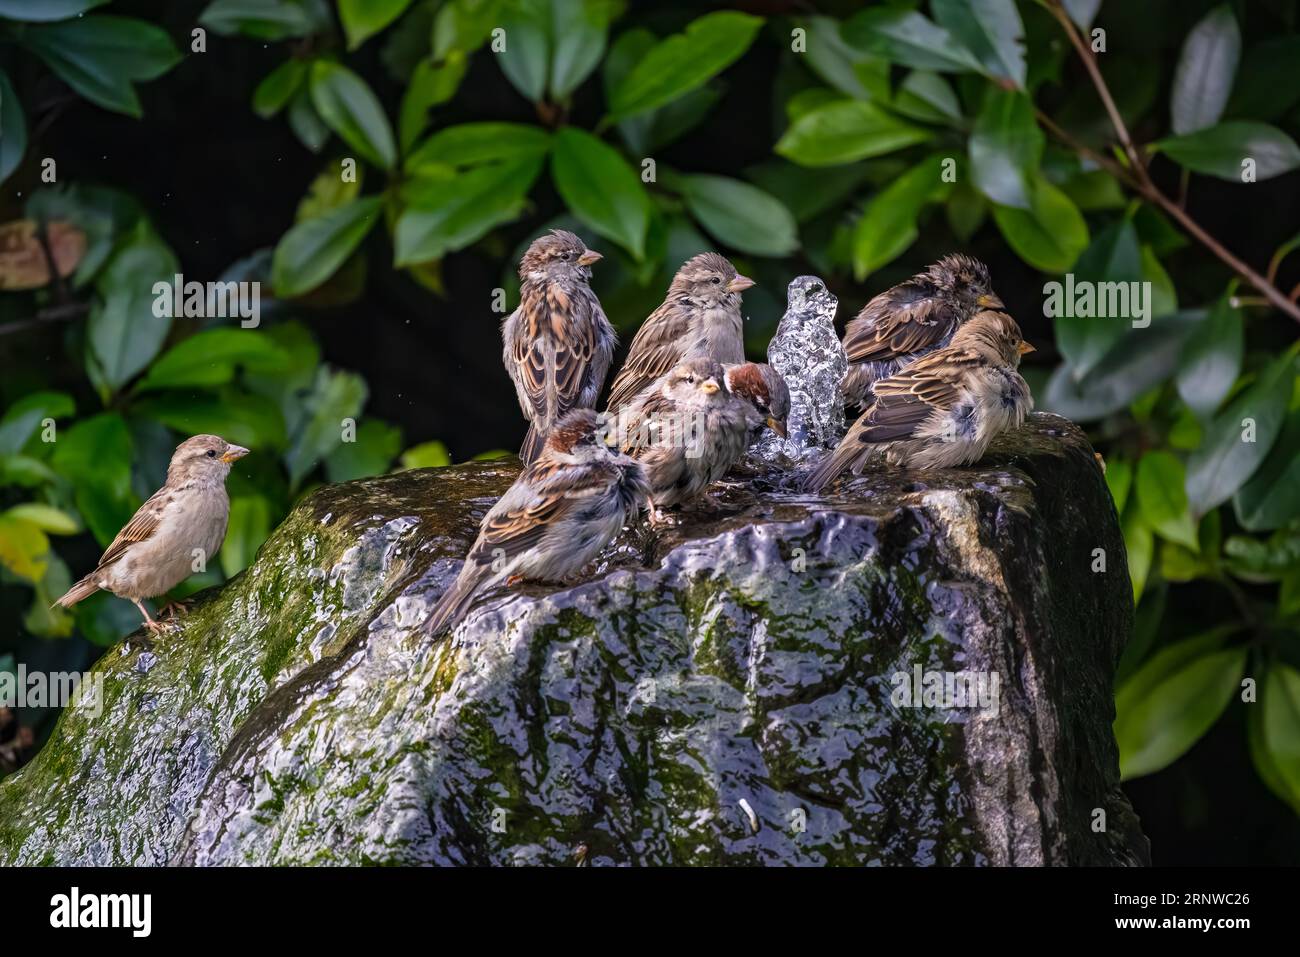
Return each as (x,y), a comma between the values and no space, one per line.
(721,693)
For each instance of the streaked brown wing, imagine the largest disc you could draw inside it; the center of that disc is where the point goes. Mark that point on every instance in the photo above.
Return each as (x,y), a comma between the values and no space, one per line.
(141,527)
(553,358)
(655,349)
(907,328)
(904,401)
(560,488)
(638,438)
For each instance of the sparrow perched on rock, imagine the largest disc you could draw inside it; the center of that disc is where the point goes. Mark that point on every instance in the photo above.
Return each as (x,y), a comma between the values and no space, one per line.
(687,432)
(765,390)
(700,317)
(182,521)
(943,409)
(913,318)
(806,351)
(558,515)
(558,343)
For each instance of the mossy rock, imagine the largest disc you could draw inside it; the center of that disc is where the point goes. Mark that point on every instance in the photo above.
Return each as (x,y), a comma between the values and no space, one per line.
(722,692)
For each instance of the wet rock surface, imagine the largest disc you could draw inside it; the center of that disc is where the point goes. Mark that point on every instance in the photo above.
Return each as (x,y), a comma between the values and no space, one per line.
(720,692)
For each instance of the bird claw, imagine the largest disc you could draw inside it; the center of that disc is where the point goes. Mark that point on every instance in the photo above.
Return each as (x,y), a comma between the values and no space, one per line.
(173,609)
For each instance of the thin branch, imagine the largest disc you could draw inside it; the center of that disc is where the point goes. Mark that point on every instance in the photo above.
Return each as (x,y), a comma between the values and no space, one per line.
(1139,180)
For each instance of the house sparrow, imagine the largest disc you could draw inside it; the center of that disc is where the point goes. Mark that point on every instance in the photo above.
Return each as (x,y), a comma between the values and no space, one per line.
(762,386)
(943,409)
(558,343)
(182,521)
(699,317)
(913,318)
(687,431)
(558,515)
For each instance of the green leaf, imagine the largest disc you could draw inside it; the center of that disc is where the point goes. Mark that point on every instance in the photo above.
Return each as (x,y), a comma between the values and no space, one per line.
(210,357)
(24,549)
(1112,257)
(1205,71)
(1005,148)
(348,107)
(249,420)
(1119,479)
(443,215)
(579,30)
(1163,498)
(1266,87)
(43,11)
(907,38)
(432,83)
(1222,150)
(377,444)
(21,420)
(888,227)
(1271,499)
(470,144)
(123,334)
(1050,235)
(311,251)
(362,19)
(426,455)
(1277,732)
(247,528)
(306,122)
(741,215)
(1171,702)
(100,57)
(927,97)
(845,131)
(991,30)
(278,88)
(684,61)
(328,191)
(1239,438)
(46,517)
(335,396)
(601,189)
(1139,544)
(526,58)
(1082,12)
(262,19)
(95,455)
(841,65)
(1211,360)
(13,129)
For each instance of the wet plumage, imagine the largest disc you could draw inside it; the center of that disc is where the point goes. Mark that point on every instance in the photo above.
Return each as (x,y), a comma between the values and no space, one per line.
(558,343)
(944,409)
(912,319)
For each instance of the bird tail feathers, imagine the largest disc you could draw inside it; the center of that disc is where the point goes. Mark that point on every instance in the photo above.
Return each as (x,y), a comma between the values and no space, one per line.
(78,592)
(830,468)
(454,603)
(534,441)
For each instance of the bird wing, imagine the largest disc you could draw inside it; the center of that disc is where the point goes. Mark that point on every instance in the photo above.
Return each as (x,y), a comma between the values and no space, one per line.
(144,523)
(656,348)
(557,352)
(651,407)
(898,323)
(906,400)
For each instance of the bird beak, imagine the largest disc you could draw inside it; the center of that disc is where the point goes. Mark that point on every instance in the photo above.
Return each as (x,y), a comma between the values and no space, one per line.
(589,257)
(989,301)
(739,284)
(234,452)
(1025,348)
(776,425)
(611,438)
(709,386)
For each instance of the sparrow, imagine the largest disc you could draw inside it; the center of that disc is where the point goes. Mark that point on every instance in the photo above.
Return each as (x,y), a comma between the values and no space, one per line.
(561,511)
(699,317)
(183,521)
(687,431)
(913,318)
(558,343)
(806,351)
(944,409)
(765,390)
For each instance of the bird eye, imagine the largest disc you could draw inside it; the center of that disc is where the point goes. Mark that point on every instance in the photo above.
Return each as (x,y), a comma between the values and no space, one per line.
(690,379)
(716,280)
(212,453)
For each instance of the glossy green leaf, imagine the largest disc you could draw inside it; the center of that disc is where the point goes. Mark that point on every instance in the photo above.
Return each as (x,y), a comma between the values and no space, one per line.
(123,333)
(249,420)
(989,29)
(1163,498)
(263,19)
(888,227)
(1050,235)
(1101,312)
(24,549)
(362,19)
(346,104)
(927,97)
(432,83)
(306,123)
(335,396)
(22,419)
(1119,480)
(470,144)
(601,189)
(1205,71)
(45,517)
(1239,438)
(579,30)
(444,215)
(1211,360)
(210,358)
(1139,545)
(279,87)
(909,39)
(426,455)
(845,131)
(311,251)
(375,447)
(1223,150)
(44,11)
(1171,702)
(840,64)
(1271,499)
(741,215)
(684,61)
(1277,733)
(1005,148)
